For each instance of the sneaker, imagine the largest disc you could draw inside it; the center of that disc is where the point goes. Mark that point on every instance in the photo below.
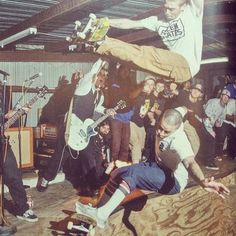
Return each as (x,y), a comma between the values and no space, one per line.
(91,212)
(81,208)
(212,166)
(218,158)
(7,230)
(28,216)
(42,184)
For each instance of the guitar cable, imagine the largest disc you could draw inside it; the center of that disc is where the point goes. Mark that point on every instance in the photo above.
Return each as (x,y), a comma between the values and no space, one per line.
(62,155)
(71,154)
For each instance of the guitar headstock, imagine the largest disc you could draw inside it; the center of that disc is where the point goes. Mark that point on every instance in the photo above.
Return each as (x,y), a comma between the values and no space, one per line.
(42,91)
(121,105)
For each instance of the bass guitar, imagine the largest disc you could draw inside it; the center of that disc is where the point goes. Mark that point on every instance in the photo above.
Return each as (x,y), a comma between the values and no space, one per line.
(41,92)
(81,132)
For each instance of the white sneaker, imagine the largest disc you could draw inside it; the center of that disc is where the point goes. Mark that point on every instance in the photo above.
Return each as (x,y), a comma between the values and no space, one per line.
(28,216)
(81,208)
(91,212)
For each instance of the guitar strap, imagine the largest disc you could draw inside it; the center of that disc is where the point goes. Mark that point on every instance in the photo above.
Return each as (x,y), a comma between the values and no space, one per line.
(98,97)
(68,122)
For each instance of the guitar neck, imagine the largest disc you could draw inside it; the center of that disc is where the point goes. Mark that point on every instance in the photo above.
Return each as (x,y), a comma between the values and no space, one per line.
(19,113)
(101,119)
(98,121)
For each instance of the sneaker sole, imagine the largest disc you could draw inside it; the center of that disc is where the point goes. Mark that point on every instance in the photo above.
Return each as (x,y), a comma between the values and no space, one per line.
(26,219)
(83,214)
(212,168)
(41,189)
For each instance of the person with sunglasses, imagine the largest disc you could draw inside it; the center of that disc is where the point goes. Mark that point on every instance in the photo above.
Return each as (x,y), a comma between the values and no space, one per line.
(168,174)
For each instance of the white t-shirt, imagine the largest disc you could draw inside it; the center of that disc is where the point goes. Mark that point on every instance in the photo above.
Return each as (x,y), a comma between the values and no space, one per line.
(231,110)
(215,111)
(176,148)
(182,35)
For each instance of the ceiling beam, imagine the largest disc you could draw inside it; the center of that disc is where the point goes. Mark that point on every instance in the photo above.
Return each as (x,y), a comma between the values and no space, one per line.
(39,56)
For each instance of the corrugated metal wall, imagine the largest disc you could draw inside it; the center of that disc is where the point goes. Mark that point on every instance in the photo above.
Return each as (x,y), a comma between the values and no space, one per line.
(20,71)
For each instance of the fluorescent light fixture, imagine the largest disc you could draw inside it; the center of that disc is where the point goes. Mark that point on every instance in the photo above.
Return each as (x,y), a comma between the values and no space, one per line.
(18,36)
(72,47)
(214,60)
(29,47)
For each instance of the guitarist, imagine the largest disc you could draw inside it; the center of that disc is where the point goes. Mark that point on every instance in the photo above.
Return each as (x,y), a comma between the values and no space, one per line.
(87,100)
(12,177)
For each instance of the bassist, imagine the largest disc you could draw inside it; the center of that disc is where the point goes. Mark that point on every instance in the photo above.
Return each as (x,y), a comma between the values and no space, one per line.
(12,176)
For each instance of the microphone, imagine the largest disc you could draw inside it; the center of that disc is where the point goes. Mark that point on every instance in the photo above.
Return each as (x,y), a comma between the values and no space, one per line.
(4,73)
(32,78)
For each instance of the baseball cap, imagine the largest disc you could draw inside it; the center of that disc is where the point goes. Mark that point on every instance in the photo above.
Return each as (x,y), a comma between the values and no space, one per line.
(225,92)
(149,77)
(199,87)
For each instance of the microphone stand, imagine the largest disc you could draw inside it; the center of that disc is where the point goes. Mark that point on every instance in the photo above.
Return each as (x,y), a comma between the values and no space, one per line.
(5,229)
(23,95)
(3,140)
(20,125)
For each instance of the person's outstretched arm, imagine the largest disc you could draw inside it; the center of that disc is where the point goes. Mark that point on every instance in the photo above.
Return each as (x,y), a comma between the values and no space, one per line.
(208,184)
(126,24)
(198,6)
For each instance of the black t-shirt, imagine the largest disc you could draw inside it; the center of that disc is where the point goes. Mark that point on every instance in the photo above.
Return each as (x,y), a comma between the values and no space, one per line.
(183,100)
(117,92)
(142,101)
(58,104)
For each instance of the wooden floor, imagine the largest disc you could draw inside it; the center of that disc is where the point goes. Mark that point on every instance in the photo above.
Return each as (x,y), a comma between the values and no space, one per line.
(55,206)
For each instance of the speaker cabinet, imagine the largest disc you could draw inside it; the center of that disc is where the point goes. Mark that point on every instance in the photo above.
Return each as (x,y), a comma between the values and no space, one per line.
(26,135)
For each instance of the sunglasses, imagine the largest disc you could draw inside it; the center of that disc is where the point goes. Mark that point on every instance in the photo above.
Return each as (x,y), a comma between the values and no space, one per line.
(161,129)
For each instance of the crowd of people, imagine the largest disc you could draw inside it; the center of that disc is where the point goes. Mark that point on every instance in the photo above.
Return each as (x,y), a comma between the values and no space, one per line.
(160,118)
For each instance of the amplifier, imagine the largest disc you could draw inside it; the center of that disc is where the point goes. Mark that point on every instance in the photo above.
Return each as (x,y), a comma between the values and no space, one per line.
(26,145)
(45,131)
(45,146)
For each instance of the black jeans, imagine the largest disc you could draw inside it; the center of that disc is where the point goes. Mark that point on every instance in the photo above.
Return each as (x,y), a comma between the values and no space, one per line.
(221,133)
(226,130)
(58,158)
(231,147)
(208,146)
(13,180)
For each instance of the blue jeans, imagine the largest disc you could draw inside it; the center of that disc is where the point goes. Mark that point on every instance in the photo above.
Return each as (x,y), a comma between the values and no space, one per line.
(147,176)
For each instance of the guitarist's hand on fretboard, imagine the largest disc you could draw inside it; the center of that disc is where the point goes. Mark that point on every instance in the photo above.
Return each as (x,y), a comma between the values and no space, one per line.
(10,114)
(27,108)
(111,112)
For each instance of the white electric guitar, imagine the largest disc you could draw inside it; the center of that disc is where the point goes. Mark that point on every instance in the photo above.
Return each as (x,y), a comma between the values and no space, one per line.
(80,132)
